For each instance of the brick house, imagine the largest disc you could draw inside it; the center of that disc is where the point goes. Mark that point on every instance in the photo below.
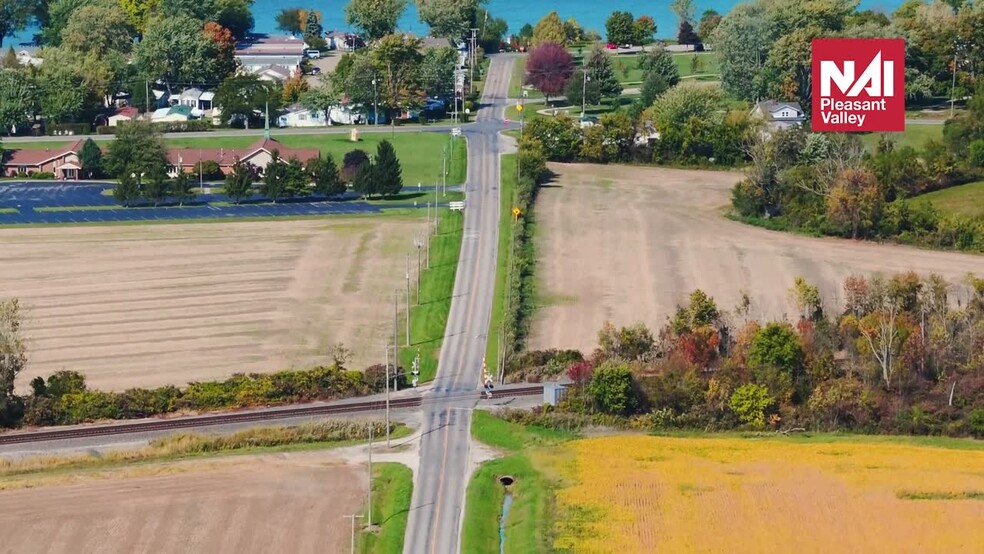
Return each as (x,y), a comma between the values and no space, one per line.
(259,155)
(62,162)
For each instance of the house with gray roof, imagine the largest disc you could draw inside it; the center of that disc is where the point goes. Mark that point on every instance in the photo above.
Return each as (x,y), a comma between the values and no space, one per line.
(779,115)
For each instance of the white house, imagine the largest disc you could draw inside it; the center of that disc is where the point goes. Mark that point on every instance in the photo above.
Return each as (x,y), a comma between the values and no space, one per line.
(273,73)
(779,115)
(298,116)
(173,113)
(264,51)
(27,57)
(128,113)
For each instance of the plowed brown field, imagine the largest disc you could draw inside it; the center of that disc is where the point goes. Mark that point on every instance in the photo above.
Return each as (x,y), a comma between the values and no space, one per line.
(167,304)
(627,244)
(261,504)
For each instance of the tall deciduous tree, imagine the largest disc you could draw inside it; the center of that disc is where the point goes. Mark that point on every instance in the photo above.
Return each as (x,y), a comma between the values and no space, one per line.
(448,18)
(140,12)
(398,59)
(855,201)
(137,150)
(351,163)
(324,172)
(709,20)
(321,98)
(437,71)
(236,16)
(550,29)
(643,30)
(90,156)
(13,359)
(376,18)
(14,17)
(618,28)
(225,43)
(99,29)
(289,21)
(684,9)
(17,90)
(239,183)
(387,169)
(242,95)
(548,68)
(203,10)
(176,49)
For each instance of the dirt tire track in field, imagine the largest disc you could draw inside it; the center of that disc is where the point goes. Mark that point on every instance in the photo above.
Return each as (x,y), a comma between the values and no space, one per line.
(169,304)
(627,244)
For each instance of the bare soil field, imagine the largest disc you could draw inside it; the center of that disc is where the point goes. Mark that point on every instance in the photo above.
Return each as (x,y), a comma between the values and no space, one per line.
(151,305)
(627,244)
(675,494)
(272,503)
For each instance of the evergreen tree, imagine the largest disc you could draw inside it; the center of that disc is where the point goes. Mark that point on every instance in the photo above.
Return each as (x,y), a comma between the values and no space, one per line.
(91,157)
(388,173)
(324,173)
(296,179)
(365,180)
(601,72)
(127,190)
(577,88)
(239,183)
(156,188)
(660,61)
(652,87)
(687,34)
(312,27)
(274,184)
(181,188)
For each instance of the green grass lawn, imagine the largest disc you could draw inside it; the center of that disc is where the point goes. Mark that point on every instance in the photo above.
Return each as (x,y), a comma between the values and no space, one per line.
(915,135)
(965,200)
(419,153)
(429,319)
(528,526)
(392,488)
(507,189)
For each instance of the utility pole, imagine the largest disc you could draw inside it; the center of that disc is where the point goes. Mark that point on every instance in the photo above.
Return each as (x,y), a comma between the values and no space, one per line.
(471,74)
(418,242)
(953,84)
(388,396)
(146,96)
(584,91)
(371,425)
(408,299)
(375,103)
(353,517)
(444,170)
(396,330)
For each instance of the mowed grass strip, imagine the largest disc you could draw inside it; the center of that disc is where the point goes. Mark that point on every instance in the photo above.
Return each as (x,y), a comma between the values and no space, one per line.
(528,525)
(429,318)
(965,200)
(915,135)
(392,488)
(507,188)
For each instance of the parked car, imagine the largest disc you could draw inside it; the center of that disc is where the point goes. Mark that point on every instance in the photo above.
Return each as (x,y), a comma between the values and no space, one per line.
(611,46)
(315,71)
(312,53)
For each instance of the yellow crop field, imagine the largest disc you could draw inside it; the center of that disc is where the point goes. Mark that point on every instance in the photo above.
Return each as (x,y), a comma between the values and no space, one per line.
(640,494)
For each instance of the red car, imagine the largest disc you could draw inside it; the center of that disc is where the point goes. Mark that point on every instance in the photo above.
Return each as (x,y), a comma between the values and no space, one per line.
(611,46)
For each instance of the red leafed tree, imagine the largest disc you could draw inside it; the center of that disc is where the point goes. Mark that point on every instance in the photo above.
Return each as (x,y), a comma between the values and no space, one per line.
(548,68)
(580,372)
(222,37)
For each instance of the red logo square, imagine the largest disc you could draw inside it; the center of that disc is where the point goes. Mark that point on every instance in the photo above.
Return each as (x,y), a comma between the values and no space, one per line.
(858,85)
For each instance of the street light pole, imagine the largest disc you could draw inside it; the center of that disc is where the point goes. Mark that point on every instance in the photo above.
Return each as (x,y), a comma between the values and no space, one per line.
(375,103)
(584,91)
(371,425)
(388,396)
(408,299)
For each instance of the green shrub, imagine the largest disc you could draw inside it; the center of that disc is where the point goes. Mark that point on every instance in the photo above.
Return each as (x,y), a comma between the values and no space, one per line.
(612,389)
(749,402)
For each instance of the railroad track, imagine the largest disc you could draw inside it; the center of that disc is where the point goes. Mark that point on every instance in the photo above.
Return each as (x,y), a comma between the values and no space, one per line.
(246,417)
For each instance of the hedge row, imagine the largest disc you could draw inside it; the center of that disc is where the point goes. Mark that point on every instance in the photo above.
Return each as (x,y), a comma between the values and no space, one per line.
(519,310)
(190,126)
(64,398)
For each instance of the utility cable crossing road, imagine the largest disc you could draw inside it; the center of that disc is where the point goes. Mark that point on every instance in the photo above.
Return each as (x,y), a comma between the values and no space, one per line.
(437,508)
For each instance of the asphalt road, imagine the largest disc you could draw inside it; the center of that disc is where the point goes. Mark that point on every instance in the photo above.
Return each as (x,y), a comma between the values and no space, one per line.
(437,507)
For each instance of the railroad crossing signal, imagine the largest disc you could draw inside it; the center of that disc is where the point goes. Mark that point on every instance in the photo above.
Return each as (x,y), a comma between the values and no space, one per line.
(516,213)
(415,368)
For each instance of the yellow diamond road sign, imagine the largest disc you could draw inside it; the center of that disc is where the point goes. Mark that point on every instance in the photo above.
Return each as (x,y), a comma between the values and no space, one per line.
(519,107)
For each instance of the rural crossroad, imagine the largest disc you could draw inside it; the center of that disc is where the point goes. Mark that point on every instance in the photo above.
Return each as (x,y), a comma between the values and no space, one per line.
(437,507)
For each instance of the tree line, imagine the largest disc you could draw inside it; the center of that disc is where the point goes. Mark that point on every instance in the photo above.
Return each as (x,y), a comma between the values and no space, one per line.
(828,184)
(901,355)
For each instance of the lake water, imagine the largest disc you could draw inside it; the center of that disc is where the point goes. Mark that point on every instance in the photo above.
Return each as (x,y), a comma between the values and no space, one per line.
(590,14)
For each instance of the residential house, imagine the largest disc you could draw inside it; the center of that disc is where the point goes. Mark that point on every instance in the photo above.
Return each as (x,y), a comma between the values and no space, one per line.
(128,113)
(26,56)
(299,116)
(263,51)
(259,155)
(273,73)
(779,115)
(63,162)
(201,103)
(173,113)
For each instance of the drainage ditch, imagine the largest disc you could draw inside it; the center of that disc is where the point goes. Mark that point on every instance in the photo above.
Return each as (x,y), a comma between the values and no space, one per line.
(506,481)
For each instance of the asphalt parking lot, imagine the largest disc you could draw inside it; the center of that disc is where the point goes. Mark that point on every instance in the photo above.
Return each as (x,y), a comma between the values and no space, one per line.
(31,199)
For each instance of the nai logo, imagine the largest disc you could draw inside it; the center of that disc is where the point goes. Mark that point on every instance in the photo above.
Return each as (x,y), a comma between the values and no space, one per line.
(858,85)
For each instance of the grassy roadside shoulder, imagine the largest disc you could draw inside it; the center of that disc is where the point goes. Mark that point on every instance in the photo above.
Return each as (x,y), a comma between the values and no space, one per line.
(507,192)
(392,488)
(183,446)
(429,318)
(530,520)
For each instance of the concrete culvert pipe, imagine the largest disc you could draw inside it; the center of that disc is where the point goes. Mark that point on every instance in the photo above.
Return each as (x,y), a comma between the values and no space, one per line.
(506,480)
